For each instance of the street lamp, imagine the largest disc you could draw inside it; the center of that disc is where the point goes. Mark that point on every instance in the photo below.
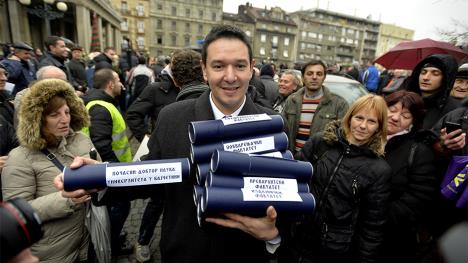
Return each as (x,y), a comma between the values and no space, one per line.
(44,10)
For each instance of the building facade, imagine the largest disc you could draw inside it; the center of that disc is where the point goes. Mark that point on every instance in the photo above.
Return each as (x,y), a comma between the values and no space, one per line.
(135,24)
(30,23)
(392,35)
(181,23)
(335,38)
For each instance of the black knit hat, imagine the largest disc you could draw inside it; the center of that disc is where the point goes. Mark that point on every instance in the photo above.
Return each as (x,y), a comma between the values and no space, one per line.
(267,69)
(462,72)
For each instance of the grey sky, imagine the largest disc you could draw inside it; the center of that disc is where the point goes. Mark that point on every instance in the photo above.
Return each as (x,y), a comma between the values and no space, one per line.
(423,16)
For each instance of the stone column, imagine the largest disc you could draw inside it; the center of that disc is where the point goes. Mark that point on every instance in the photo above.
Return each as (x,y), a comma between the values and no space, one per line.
(83,27)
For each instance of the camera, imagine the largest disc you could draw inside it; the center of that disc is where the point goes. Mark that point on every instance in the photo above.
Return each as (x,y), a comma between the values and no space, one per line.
(21,227)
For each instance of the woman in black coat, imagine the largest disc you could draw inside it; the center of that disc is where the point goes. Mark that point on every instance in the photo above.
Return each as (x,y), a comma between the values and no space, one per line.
(351,187)
(413,183)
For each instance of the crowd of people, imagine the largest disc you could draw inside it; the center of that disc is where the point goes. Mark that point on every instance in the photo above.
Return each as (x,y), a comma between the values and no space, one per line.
(378,162)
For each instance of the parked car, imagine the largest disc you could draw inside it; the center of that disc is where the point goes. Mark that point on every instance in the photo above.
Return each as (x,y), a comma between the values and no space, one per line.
(348,89)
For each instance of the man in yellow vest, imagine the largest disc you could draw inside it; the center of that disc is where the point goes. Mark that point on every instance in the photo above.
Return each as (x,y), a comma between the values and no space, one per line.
(108,133)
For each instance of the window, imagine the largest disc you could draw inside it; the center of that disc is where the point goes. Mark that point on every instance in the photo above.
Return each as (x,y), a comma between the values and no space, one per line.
(124,25)
(141,42)
(276,28)
(187,27)
(174,25)
(187,40)
(140,10)
(286,41)
(141,26)
(200,13)
(248,33)
(200,28)
(312,35)
(262,51)
(213,16)
(159,39)
(174,40)
(159,24)
(263,38)
(285,53)
(187,12)
(274,52)
(124,7)
(274,41)
(159,6)
(304,34)
(320,37)
(174,11)
(303,45)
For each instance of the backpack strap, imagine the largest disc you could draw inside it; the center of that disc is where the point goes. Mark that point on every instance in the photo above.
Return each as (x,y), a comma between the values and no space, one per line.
(52,158)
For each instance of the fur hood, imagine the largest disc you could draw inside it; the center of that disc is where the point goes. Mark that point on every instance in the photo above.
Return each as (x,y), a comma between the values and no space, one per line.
(334,134)
(33,104)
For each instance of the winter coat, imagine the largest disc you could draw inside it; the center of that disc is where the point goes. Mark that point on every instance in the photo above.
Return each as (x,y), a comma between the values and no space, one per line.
(459,115)
(371,78)
(29,174)
(20,73)
(8,141)
(192,90)
(149,103)
(103,61)
(412,192)
(182,240)
(440,103)
(77,69)
(7,110)
(100,129)
(271,88)
(53,60)
(351,186)
(330,108)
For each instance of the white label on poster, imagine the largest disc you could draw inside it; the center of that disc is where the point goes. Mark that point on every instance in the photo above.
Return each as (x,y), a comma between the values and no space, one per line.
(270,195)
(269,183)
(252,145)
(245,118)
(145,174)
(272,154)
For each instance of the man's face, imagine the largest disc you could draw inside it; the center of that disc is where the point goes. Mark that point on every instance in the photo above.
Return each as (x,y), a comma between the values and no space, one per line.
(286,85)
(460,88)
(314,75)
(430,79)
(77,54)
(23,54)
(3,78)
(117,85)
(59,49)
(110,53)
(228,72)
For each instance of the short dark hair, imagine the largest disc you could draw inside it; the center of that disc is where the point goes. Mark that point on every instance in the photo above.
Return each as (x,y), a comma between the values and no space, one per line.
(314,62)
(52,41)
(141,60)
(225,31)
(411,101)
(186,67)
(102,77)
(108,48)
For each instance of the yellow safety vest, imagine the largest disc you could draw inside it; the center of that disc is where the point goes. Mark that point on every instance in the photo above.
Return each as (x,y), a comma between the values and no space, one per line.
(120,144)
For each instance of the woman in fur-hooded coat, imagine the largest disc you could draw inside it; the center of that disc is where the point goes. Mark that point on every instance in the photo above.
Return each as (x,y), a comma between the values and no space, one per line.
(29,174)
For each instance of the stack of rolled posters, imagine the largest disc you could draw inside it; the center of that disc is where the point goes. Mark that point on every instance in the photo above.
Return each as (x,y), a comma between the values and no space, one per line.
(259,134)
(247,185)
(103,175)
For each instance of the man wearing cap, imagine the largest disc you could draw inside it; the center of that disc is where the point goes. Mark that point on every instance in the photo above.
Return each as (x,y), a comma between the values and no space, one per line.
(20,69)
(460,87)
(77,68)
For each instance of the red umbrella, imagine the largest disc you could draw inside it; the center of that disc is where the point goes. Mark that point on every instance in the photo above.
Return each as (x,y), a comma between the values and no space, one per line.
(407,54)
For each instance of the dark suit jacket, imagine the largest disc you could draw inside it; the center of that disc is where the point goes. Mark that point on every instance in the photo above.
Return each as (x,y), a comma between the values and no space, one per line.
(182,240)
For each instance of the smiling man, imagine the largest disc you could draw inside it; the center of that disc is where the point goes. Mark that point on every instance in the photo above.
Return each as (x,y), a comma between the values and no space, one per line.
(309,109)
(460,87)
(227,66)
(433,79)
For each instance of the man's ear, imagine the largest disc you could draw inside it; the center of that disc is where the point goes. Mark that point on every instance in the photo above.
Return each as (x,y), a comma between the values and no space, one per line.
(205,77)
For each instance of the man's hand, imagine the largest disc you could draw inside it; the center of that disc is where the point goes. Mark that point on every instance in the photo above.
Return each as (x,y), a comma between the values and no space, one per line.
(263,228)
(452,141)
(80,195)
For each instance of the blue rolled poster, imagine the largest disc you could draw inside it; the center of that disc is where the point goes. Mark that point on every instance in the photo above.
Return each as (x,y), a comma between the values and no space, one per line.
(204,168)
(256,144)
(256,182)
(234,163)
(455,187)
(197,193)
(457,163)
(202,172)
(463,200)
(234,127)
(126,174)
(253,202)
